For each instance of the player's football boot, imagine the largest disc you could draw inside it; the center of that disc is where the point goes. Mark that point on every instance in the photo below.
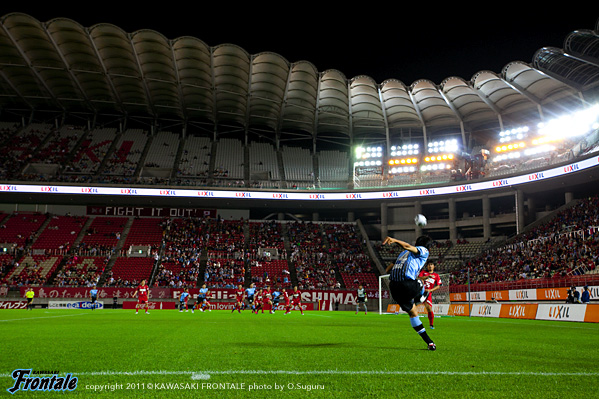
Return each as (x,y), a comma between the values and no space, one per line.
(432,346)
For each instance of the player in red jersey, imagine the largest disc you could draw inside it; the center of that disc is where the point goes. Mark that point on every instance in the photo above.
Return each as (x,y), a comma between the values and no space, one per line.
(142,299)
(258,301)
(296,299)
(432,282)
(239,299)
(266,298)
(287,301)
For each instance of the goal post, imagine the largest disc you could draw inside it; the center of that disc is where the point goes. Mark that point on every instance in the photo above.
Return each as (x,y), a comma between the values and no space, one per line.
(439,296)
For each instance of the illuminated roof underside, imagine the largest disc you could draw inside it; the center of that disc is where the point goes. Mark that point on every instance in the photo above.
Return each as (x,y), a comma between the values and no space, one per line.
(61,65)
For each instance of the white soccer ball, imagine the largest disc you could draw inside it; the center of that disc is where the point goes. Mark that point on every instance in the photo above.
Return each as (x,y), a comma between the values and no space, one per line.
(420,220)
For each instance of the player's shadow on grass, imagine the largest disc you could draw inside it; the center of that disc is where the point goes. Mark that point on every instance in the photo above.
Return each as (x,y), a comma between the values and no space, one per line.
(287,344)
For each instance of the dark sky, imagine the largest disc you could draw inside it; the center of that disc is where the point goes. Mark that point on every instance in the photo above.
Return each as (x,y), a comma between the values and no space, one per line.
(380,41)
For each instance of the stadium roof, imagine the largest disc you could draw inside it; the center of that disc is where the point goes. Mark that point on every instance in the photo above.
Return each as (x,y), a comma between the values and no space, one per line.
(63,66)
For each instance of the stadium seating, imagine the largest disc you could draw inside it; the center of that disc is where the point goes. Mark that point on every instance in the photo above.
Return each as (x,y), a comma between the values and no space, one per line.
(33,270)
(130,271)
(127,154)
(21,227)
(80,271)
(92,151)
(102,235)
(60,234)
(145,231)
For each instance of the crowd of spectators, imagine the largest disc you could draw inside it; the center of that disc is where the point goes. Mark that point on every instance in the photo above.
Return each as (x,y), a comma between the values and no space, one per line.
(566,245)
(309,254)
(81,271)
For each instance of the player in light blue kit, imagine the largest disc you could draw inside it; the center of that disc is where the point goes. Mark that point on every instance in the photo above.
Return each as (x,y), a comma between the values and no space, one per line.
(249,294)
(183,301)
(276,297)
(203,299)
(405,286)
(93,296)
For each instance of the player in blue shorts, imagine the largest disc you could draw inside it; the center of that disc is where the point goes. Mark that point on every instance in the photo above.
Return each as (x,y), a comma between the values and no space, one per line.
(249,294)
(93,296)
(203,299)
(276,297)
(183,301)
(405,286)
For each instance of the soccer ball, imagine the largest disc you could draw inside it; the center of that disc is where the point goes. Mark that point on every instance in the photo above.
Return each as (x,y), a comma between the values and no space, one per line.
(420,220)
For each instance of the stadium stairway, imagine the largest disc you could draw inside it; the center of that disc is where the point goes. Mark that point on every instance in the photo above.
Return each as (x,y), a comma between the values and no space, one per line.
(108,154)
(248,271)
(142,158)
(177,161)
(291,264)
(117,250)
(212,163)
(283,183)
(380,268)
(327,244)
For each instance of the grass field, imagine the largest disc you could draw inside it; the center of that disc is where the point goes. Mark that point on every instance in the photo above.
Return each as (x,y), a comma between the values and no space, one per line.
(321,354)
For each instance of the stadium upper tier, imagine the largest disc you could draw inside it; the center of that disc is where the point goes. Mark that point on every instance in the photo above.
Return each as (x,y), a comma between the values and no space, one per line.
(60,65)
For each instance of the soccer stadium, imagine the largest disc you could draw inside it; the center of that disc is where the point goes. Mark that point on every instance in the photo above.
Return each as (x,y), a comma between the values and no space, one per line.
(183,219)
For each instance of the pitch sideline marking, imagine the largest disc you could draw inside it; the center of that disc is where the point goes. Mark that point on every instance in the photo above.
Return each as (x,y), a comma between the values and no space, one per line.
(51,317)
(205,375)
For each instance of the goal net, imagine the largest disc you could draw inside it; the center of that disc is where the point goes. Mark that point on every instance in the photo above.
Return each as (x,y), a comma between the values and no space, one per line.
(439,296)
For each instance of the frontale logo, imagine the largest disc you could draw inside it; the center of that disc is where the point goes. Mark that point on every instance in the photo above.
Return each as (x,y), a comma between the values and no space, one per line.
(23,382)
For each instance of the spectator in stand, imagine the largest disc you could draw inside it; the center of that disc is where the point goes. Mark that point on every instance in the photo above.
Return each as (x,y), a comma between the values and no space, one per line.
(586,295)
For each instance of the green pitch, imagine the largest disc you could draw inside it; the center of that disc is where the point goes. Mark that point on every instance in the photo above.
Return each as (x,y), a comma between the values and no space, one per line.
(115,353)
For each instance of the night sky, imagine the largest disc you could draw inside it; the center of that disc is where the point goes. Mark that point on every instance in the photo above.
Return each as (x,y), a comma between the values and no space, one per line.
(389,42)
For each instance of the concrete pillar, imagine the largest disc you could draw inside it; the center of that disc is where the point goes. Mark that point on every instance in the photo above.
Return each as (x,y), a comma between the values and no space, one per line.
(519,211)
(486,217)
(315,216)
(531,205)
(453,229)
(384,221)
(351,216)
(568,197)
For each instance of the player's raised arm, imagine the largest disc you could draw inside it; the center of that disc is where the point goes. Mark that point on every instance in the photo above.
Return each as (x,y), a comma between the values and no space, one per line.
(403,244)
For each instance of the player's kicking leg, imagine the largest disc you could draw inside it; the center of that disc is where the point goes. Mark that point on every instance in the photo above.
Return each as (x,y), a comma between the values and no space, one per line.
(419,328)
